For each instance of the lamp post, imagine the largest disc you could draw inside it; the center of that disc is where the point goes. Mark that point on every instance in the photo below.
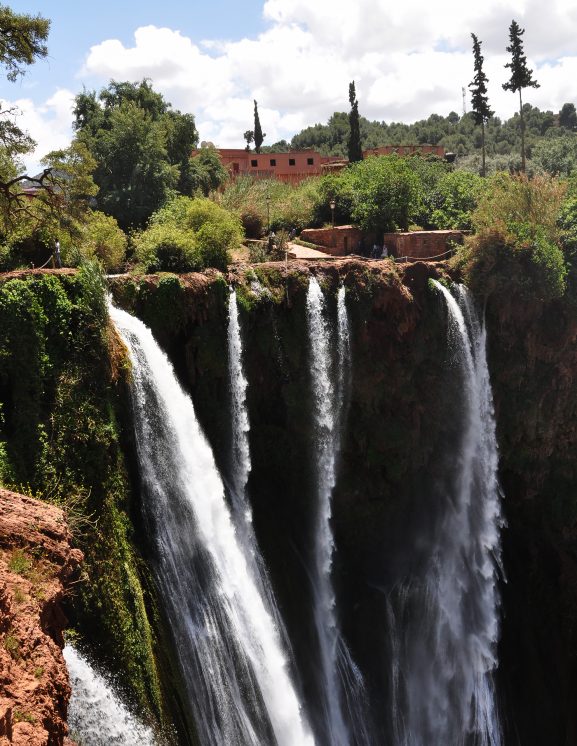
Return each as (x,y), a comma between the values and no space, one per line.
(332,205)
(268,213)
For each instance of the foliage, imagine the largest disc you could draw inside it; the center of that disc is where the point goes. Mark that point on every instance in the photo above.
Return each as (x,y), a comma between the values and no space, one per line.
(518,239)
(142,148)
(288,206)
(479,99)
(258,133)
(385,193)
(557,155)
(355,151)
(59,395)
(188,234)
(206,172)
(454,199)
(22,40)
(521,76)
(99,237)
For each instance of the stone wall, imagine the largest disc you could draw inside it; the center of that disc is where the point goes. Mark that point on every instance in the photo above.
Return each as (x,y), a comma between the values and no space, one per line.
(337,241)
(421,244)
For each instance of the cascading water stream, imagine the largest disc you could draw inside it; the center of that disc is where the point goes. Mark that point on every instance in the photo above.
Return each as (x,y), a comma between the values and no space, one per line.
(228,647)
(241,464)
(446,621)
(342,683)
(96,716)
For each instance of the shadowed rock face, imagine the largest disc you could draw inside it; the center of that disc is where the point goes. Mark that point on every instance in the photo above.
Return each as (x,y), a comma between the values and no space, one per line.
(396,443)
(36,564)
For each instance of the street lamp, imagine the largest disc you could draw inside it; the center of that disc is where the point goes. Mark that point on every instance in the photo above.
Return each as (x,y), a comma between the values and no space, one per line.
(332,205)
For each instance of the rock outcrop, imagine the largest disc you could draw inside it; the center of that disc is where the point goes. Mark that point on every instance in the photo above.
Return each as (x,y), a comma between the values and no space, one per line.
(36,564)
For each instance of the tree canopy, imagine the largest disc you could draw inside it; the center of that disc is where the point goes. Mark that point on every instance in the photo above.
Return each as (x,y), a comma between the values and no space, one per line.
(22,40)
(141,145)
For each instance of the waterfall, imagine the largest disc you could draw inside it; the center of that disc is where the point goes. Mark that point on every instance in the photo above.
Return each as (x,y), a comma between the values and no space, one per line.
(446,621)
(341,681)
(241,465)
(229,649)
(96,716)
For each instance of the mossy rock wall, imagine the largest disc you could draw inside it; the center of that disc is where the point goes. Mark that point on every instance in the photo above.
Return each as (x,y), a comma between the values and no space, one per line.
(63,374)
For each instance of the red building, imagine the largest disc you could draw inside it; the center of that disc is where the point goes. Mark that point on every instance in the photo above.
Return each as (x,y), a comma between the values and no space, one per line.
(298,165)
(293,167)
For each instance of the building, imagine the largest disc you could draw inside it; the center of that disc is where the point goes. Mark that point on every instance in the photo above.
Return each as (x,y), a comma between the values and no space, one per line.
(298,165)
(291,167)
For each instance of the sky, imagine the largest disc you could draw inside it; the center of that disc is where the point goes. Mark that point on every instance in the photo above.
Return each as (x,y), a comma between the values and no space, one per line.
(408,59)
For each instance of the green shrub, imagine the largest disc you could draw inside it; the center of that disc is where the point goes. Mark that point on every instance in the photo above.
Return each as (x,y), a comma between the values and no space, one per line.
(166,248)
(187,235)
(101,238)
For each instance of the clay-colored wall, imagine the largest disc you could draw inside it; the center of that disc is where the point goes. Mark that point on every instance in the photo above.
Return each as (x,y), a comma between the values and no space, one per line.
(420,244)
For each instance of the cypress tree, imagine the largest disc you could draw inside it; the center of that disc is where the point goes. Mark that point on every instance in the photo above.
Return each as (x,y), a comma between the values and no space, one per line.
(479,99)
(354,144)
(521,76)
(258,133)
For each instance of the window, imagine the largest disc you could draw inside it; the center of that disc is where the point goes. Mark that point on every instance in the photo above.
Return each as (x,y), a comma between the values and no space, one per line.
(254,163)
(291,161)
(310,161)
(273,161)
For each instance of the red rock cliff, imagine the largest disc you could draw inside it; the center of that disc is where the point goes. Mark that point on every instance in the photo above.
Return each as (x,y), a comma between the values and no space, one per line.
(36,563)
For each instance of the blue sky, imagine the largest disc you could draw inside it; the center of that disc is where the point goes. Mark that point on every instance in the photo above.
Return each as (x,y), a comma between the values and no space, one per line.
(295,57)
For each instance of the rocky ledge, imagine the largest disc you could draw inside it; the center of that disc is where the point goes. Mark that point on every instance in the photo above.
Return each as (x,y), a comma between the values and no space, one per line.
(36,565)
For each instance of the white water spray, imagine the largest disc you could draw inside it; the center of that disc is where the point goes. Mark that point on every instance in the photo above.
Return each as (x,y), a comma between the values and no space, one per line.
(342,683)
(229,649)
(447,621)
(241,464)
(96,715)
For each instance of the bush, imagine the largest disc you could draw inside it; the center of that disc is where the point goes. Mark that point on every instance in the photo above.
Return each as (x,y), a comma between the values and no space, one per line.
(518,245)
(101,238)
(166,248)
(188,234)
(454,199)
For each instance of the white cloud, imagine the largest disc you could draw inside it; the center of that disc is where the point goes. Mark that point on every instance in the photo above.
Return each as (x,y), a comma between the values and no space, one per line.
(408,59)
(49,124)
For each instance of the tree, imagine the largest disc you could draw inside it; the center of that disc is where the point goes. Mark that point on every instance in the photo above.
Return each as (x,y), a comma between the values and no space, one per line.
(258,133)
(479,99)
(22,40)
(354,142)
(521,76)
(568,117)
(249,137)
(142,147)
(206,171)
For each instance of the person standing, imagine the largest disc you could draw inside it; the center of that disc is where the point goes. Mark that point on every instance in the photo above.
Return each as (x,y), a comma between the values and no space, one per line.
(57,254)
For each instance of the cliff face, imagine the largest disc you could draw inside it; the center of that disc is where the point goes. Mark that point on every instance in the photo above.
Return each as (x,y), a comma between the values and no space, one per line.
(402,420)
(36,565)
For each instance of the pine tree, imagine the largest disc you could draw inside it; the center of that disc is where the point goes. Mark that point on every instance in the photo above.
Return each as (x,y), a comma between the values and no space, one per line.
(354,144)
(258,133)
(521,76)
(479,99)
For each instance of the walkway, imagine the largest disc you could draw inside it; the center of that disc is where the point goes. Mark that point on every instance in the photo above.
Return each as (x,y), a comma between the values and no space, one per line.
(302,252)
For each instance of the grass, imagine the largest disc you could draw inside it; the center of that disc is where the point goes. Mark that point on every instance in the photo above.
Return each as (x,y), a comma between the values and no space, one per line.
(19,562)
(12,646)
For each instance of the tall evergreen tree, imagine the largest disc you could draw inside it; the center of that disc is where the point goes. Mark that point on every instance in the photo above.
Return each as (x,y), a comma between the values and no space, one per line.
(521,76)
(258,133)
(354,143)
(479,99)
